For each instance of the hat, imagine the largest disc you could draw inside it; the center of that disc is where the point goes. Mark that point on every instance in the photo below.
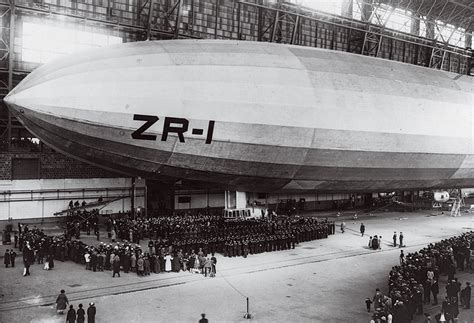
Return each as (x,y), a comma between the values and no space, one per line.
(91,303)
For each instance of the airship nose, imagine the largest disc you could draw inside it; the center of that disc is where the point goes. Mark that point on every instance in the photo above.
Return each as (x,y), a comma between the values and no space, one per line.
(16,106)
(8,98)
(12,103)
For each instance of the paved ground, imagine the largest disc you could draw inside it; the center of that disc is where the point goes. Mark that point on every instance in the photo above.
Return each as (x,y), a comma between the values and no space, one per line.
(319,281)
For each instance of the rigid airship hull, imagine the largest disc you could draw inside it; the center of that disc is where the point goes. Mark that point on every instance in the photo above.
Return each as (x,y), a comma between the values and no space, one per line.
(255,116)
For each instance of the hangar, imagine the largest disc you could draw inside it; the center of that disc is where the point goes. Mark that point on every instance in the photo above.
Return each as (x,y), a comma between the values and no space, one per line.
(159,108)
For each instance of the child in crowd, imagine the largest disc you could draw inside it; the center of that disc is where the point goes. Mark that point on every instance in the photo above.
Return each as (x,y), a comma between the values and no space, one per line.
(368,303)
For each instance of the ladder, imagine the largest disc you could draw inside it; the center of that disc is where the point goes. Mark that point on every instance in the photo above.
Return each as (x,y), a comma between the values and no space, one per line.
(455,211)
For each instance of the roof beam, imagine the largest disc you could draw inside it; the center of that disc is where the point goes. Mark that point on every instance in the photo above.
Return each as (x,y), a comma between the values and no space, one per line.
(470,7)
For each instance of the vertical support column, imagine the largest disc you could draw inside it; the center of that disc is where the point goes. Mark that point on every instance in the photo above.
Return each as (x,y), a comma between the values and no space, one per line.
(178,20)
(146,200)
(191,17)
(468,45)
(226,201)
(11,47)
(110,4)
(9,130)
(347,8)
(216,15)
(259,22)
(275,25)
(132,198)
(150,15)
(295,30)
(470,64)
(11,44)
(238,21)
(431,58)
(139,10)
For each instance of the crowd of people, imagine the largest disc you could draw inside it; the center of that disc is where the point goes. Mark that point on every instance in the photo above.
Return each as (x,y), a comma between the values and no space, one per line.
(416,279)
(178,243)
(189,243)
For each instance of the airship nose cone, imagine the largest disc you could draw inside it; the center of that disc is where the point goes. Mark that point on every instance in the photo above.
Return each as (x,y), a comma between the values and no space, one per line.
(12,103)
(9,99)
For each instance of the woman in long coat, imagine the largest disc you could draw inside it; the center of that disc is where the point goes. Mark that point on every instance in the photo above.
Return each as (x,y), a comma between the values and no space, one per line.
(158,267)
(176,264)
(192,259)
(162,259)
(126,262)
(51,261)
(168,259)
(152,260)
(61,302)
(7,259)
(146,264)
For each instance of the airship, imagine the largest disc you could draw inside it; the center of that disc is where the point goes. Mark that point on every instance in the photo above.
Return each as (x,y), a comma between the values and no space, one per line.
(254,116)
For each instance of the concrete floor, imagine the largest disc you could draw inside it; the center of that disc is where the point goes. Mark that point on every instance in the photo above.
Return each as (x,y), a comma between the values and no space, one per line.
(319,281)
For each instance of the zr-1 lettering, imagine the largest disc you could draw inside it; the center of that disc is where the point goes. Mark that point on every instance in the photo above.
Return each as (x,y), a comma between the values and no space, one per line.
(179,126)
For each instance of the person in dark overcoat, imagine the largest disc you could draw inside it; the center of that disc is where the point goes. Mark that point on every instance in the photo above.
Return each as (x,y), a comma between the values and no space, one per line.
(192,259)
(146,265)
(81,314)
(6,260)
(51,261)
(91,311)
(362,229)
(126,262)
(435,291)
(152,260)
(12,257)
(71,315)
(176,265)
(214,264)
(466,296)
(27,252)
(140,266)
(61,302)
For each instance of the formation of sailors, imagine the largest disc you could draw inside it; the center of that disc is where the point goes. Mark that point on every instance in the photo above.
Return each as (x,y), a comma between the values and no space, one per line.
(231,238)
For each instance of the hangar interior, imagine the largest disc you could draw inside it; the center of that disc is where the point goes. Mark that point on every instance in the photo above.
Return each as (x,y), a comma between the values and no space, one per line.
(36,181)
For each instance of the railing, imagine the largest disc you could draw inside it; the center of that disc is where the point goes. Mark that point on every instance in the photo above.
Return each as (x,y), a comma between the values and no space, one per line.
(69,194)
